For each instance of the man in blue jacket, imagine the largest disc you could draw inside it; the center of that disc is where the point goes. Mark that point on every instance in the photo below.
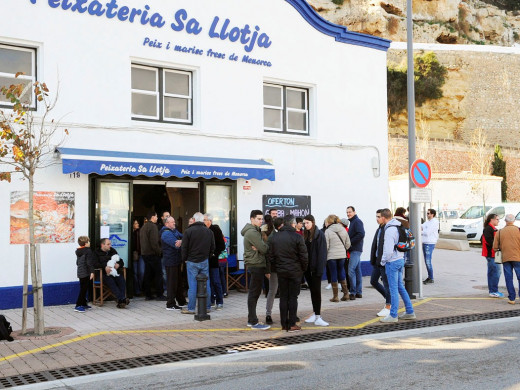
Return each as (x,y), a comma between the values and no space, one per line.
(171,240)
(356,233)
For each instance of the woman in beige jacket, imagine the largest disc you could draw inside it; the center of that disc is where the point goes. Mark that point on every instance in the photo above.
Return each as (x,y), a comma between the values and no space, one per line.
(338,242)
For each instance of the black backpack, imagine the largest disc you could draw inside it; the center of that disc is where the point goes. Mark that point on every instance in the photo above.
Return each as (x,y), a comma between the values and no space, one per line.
(5,329)
(406,239)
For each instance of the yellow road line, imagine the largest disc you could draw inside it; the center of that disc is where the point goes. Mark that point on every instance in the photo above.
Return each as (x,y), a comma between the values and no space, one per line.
(122,332)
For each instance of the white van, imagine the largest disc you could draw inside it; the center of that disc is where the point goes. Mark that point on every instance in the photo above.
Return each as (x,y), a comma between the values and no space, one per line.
(471,222)
(503,209)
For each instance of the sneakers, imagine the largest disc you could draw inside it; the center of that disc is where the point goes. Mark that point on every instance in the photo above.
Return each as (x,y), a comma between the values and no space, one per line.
(295,328)
(174,307)
(186,311)
(329,286)
(496,295)
(225,295)
(428,281)
(511,302)
(259,326)
(219,307)
(389,319)
(312,318)
(407,316)
(79,309)
(268,320)
(87,307)
(384,312)
(320,322)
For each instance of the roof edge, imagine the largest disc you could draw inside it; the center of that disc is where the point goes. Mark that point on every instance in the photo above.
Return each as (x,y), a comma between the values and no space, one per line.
(340,33)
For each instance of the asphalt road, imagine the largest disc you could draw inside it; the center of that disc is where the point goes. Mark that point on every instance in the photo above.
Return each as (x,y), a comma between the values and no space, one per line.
(481,355)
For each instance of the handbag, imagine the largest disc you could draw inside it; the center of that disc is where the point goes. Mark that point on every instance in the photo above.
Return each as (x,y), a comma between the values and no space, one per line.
(346,250)
(498,252)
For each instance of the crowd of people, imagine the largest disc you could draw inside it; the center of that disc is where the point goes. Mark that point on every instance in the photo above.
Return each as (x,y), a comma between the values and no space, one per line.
(282,255)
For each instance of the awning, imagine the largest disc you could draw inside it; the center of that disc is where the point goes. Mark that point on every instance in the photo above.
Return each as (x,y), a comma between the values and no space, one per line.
(105,162)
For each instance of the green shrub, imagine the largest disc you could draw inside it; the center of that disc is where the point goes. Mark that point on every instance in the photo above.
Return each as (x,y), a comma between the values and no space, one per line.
(498,168)
(338,2)
(430,76)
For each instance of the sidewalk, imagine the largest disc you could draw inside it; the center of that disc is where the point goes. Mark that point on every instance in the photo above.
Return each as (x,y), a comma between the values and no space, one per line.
(146,328)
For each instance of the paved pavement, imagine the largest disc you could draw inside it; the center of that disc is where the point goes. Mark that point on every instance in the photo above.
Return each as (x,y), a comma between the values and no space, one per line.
(145,328)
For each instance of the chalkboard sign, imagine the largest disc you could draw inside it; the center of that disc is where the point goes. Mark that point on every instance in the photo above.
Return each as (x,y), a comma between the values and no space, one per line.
(297,205)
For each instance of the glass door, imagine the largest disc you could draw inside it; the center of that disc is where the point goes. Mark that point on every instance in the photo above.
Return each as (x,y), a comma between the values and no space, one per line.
(219,202)
(113,215)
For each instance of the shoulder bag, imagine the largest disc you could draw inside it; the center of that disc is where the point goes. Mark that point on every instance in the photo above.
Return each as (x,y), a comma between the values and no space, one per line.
(498,252)
(346,250)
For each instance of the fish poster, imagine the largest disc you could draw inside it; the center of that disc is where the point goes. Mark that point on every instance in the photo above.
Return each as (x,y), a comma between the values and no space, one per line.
(53,217)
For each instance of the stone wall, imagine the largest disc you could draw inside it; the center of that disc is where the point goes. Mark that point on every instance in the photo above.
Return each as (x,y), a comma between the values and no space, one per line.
(450,156)
(482,90)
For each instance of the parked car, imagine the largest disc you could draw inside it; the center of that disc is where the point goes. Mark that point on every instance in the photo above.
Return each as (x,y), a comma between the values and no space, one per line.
(471,222)
(446,218)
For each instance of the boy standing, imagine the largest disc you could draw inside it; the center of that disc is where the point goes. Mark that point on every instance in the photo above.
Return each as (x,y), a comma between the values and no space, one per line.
(84,262)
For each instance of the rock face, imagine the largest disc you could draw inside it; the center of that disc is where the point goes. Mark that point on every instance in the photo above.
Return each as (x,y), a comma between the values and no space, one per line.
(435,21)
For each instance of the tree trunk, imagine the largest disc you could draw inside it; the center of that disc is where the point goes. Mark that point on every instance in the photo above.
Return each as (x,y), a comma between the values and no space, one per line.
(36,282)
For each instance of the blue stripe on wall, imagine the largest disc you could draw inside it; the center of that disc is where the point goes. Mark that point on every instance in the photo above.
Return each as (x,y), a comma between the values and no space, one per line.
(53,294)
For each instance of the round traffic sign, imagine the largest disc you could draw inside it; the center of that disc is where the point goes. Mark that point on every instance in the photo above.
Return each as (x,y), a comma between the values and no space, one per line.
(421,173)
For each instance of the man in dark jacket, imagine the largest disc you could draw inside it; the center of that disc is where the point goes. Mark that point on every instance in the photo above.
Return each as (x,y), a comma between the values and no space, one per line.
(217,290)
(378,271)
(197,245)
(288,252)
(115,283)
(171,240)
(356,233)
(151,252)
(255,250)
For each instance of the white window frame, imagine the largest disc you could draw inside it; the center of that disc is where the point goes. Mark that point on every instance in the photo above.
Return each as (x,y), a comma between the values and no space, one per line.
(32,78)
(149,93)
(187,97)
(305,111)
(285,110)
(279,108)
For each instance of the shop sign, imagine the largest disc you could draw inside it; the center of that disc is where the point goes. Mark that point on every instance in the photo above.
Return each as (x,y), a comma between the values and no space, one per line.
(246,36)
(297,205)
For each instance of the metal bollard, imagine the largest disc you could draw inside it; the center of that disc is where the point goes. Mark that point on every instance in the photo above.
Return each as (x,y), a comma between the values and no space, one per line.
(202,298)
(408,279)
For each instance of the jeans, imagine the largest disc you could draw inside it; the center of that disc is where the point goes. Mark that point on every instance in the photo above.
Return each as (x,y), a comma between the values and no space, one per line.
(337,270)
(174,287)
(273,287)
(216,287)
(377,273)
(289,291)
(153,275)
(354,273)
(428,252)
(314,282)
(117,285)
(223,281)
(394,274)
(193,270)
(255,289)
(509,266)
(493,274)
(138,275)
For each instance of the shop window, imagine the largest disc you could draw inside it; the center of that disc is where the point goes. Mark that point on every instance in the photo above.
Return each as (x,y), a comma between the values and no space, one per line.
(163,95)
(13,60)
(286,109)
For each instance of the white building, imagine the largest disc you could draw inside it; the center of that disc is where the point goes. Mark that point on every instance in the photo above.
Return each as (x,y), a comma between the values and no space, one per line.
(173,105)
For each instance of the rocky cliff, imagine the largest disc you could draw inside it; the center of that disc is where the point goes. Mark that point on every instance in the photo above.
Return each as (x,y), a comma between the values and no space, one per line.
(435,21)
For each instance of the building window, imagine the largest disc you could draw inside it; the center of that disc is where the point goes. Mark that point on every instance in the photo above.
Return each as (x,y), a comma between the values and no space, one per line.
(13,60)
(163,95)
(286,109)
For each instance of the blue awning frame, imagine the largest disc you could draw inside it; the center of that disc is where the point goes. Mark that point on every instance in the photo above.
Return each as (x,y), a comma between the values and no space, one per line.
(106,162)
